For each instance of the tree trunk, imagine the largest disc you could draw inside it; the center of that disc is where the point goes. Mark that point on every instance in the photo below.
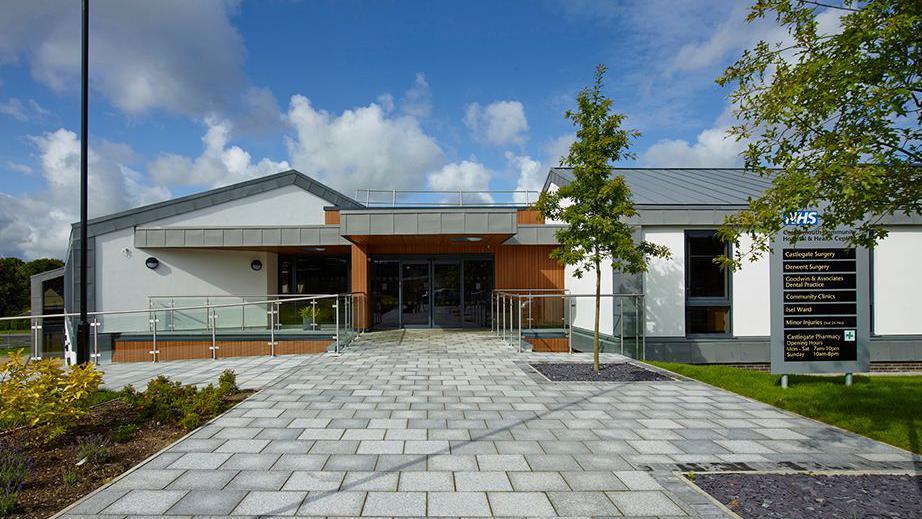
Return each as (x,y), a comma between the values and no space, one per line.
(598,303)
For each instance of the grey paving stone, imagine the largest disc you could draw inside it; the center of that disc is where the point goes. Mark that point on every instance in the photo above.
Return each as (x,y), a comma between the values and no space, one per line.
(140,502)
(582,504)
(481,481)
(203,480)
(537,481)
(381,446)
(585,481)
(269,503)
(245,461)
(149,479)
(426,482)
(314,480)
(458,504)
(395,504)
(504,462)
(401,462)
(551,462)
(452,462)
(200,460)
(211,502)
(332,504)
(259,480)
(384,481)
(645,503)
(518,504)
(348,462)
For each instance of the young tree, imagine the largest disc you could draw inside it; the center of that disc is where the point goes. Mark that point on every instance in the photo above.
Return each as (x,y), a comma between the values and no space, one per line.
(837,113)
(596,205)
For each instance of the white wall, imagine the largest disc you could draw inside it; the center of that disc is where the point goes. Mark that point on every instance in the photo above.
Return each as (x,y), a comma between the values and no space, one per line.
(123,281)
(584,307)
(751,296)
(289,205)
(664,284)
(898,282)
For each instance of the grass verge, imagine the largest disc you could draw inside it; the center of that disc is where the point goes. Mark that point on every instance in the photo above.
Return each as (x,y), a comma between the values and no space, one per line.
(885,408)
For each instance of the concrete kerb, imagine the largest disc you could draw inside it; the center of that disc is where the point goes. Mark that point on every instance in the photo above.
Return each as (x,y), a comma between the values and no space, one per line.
(147,460)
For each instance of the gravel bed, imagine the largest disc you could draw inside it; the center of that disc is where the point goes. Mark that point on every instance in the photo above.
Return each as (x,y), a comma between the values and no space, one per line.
(585,372)
(796,496)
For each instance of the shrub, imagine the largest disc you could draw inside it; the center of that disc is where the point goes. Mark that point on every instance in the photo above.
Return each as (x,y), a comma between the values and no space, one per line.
(45,393)
(125,432)
(94,448)
(14,468)
(227,383)
(170,402)
(70,478)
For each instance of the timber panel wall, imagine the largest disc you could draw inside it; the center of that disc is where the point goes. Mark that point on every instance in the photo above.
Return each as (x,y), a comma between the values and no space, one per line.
(360,284)
(139,351)
(331,217)
(550,344)
(527,267)
(529,217)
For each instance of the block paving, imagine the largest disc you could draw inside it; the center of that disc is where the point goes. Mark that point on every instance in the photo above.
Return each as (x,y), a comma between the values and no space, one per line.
(456,424)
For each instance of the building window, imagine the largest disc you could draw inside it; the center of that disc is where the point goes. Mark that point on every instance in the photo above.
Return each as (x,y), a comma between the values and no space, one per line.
(707,286)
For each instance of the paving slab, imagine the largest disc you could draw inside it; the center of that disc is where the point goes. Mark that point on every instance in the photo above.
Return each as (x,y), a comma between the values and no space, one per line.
(456,424)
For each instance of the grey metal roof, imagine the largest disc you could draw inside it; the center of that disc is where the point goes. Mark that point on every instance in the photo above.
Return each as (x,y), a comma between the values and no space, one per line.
(159,211)
(682,186)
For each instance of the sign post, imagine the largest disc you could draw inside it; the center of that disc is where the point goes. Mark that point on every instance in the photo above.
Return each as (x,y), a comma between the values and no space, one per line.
(820,318)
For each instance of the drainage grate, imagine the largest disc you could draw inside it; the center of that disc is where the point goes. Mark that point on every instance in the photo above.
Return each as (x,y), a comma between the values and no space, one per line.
(585,372)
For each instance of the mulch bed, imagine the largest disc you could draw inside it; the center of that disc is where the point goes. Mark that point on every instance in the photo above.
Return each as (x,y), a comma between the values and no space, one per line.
(45,493)
(796,496)
(585,372)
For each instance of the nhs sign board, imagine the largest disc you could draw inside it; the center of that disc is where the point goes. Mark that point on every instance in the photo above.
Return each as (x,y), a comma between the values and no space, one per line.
(802,218)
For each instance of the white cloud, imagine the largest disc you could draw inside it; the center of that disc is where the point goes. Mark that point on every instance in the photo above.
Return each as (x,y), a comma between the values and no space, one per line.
(23,111)
(18,167)
(557,149)
(417,100)
(499,123)
(218,164)
(38,224)
(467,175)
(712,148)
(364,147)
(531,175)
(174,54)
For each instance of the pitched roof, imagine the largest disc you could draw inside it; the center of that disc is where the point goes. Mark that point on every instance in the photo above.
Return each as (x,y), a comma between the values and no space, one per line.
(197,201)
(682,186)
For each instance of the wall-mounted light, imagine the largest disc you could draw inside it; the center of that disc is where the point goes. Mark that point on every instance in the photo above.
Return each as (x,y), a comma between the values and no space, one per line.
(152,263)
(464,239)
(256,265)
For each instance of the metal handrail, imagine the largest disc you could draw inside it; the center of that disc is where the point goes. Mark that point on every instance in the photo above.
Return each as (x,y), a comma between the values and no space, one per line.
(272,311)
(508,303)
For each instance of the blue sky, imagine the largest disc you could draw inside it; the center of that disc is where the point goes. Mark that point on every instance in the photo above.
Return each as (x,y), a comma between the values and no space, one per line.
(186,96)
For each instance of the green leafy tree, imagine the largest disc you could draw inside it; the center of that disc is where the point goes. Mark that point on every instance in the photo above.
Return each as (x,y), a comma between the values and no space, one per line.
(596,205)
(833,118)
(15,283)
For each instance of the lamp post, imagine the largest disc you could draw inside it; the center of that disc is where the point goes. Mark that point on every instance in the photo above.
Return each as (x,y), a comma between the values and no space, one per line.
(83,326)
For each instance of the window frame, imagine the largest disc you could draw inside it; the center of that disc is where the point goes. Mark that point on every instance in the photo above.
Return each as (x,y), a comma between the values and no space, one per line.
(691,301)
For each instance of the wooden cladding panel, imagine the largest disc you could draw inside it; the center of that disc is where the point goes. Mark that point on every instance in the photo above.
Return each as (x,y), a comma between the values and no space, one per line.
(527,266)
(139,351)
(529,217)
(360,284)
(331,217)
(550,344)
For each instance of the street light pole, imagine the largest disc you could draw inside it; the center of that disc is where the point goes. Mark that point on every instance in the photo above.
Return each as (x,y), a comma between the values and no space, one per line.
(83,327)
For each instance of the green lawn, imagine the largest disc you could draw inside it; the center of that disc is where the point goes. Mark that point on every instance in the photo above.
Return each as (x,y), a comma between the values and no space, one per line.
(886,408)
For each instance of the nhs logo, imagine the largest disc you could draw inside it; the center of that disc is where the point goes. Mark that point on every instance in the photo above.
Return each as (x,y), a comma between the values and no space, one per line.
(802,218)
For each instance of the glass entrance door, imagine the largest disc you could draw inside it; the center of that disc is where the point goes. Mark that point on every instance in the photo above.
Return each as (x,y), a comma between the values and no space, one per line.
(446,294)
(415,294)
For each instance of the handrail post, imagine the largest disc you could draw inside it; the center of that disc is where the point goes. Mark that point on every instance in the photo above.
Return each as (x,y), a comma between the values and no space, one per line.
(153,326)
(569,310)
(273,311)
(520,305)
(636,325)
(36,334)
(336,313)
(213,317)
(172,317)
(643,328)
(621,320)
(95,355)
(313,314)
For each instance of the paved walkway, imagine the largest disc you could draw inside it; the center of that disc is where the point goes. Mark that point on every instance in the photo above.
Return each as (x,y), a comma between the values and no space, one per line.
(427,423)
